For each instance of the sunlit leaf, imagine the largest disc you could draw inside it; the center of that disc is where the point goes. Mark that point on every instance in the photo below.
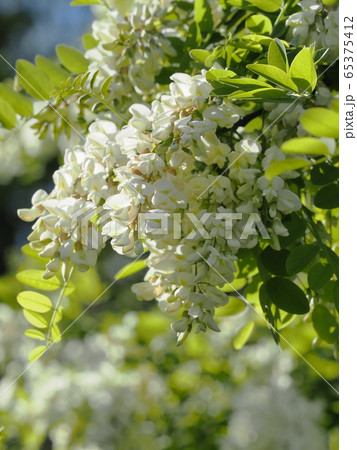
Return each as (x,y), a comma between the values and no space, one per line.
(72,59)
(34,80)
(37,352)
(274,74)
(302,70)
(35,334)
(321,122)
(241,338)
(33,278)
(130,269)
(21,104)
(305,146)
(278,167)
(7,114)
(234,306)
(34,301)
(35,319)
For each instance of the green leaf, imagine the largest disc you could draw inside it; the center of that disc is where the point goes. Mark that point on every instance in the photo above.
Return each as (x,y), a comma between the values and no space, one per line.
(241,338)
(296,228)
(319,275)
(56,333)
(203,15)
(35,319)
(199,55)
(220,74)
(327,197)
(274,260)
(258,23)
(234,306)
(277,55)
(259,39)
(324,323)
(305,145)
(7,114)
(332,258)
(21,104)
(72,59)
(130,269)
(54,72)
(89,41)
(37,352)
(278,167)
(274,74)
(85,2)
(105,86)
(324,173)
(300,257)
(321,122)
(244,84)
(267,5)
(35,334)
(287,296)
(236,284)
(265,94)
(33,278)
(302,70)
(34,80)
(34,301)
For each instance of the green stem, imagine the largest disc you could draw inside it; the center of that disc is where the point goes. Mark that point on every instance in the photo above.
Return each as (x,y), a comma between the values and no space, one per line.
(57,305)
(100,99)
(282,13)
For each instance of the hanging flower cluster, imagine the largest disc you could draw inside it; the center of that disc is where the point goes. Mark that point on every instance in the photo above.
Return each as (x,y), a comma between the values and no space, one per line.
(167,163)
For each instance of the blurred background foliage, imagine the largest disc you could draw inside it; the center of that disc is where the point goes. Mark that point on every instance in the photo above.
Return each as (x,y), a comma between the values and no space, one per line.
(118,380)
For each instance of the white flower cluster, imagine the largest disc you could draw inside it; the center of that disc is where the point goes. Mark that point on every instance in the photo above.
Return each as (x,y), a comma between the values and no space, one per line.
(132,47)
(168,161)
(313,25)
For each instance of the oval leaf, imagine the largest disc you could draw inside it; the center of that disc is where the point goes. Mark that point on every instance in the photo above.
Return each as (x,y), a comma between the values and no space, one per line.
(54,72)
(35,334)
(300,257)
(267,5)
(37,352)
(277,55)
(302,70)
(35,319)
(130,269)
(287,296)
(305,146)
(7,114)
(241,338)
(34,80)
(34,301)
(274,260)
(278,167)
(21,104)
(274,74)
(33,278)
(327,197)
(321,122)
(258,23)
(72,59)
(319,275)
(234,306)
(324,323)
